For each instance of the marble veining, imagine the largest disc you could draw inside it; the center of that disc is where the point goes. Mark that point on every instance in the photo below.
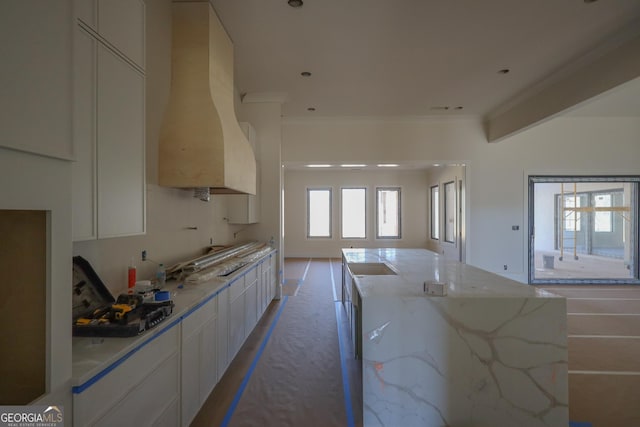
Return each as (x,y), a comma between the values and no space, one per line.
(481,356)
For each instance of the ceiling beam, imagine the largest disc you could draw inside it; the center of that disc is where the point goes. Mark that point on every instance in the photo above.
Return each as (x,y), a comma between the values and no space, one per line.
(612,69)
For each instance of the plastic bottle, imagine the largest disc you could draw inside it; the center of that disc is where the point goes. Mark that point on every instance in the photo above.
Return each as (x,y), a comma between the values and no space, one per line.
(131,276)
(161,275)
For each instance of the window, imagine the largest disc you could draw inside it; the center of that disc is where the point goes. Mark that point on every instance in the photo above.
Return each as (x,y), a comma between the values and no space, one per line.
(603,218)
(583,229)
(388,213)
(450,212)
(319,212)
(354,213)
(435,212)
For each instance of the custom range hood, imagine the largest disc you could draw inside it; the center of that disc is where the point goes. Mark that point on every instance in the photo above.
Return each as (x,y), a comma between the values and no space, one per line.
(201,143)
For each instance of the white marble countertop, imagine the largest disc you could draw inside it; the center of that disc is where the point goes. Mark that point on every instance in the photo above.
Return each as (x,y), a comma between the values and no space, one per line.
(92,355)
(416,266)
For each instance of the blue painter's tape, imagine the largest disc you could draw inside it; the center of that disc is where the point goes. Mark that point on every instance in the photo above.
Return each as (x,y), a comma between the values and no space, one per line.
(245,380)
(82,387)
(579,424)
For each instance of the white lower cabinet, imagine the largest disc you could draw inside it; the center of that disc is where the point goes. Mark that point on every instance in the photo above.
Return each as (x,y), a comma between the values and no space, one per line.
(166,380)
(251,301)
(223,331)
(237,317)
(138,390)
(198,358)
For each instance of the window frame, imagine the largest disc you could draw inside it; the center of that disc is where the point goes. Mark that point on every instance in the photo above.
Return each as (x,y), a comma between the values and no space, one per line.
(342,236)
(308,216)
(634,204)
(446,237)
(435,212)
(377,224)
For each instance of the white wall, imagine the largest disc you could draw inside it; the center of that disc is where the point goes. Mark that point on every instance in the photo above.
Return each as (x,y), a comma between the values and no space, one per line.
(496,174)
(413,208)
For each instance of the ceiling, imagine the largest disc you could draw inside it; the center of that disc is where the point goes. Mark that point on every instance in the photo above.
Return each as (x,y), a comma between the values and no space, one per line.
(380,58)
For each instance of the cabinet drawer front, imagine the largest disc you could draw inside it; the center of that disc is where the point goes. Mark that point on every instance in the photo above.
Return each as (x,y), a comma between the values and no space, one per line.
(251,276)
(149,398)
(198,317)
(236,289)
(95,401)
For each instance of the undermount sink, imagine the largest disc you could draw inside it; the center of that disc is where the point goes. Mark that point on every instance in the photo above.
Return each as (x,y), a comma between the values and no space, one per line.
(371,269)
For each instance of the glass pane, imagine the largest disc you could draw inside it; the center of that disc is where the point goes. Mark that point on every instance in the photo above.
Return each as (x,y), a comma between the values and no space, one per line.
(319,211)
(353,213)
(584,229)
(435,212)
(450,212)
(388,213)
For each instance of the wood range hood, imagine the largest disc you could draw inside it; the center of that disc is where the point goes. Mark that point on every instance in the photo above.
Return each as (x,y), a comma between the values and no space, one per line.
(201,143)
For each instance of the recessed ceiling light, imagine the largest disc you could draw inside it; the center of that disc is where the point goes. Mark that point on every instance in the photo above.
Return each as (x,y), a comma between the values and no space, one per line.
(352,166)
(504,71)
(388,165)
(311,109)
(295,3)
(305,74)
(436,164)
(318,166)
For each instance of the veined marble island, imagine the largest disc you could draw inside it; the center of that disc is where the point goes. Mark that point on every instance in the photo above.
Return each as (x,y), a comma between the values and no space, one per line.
(492,352)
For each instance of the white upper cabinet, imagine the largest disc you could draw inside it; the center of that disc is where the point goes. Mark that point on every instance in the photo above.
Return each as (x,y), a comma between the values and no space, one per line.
(245,208)
(108,178)
(120,147)
(84,169)
(36,95)
(120,23)
(87,12)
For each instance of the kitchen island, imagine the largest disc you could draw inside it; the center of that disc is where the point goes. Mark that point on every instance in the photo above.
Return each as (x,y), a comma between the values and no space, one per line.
(492,352)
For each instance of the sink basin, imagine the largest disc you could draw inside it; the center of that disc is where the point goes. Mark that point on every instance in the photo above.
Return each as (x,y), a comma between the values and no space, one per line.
(371,269)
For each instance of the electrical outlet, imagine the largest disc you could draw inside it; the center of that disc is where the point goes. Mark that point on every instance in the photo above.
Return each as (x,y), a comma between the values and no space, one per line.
(144,255)
(505,266)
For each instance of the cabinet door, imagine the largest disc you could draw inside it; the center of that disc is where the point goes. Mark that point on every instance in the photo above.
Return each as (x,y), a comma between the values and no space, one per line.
(122,24)
(208,359)
(251,306)
(83,170)
(243,209)
(121,178)
(190,391)
(223,331)
(87,12)
(236,324)
(37,78)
